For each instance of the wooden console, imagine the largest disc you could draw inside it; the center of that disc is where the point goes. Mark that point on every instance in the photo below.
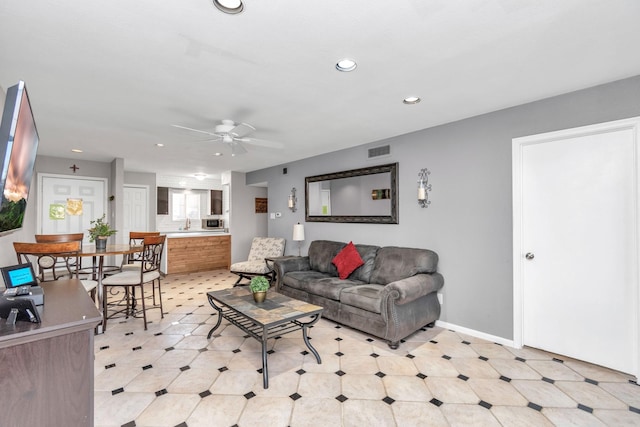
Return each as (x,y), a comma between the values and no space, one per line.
(46,376)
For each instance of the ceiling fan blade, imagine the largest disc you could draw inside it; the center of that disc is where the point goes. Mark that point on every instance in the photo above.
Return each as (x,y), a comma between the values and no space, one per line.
(194,130)
(241,130)
(237,149)
(262,142)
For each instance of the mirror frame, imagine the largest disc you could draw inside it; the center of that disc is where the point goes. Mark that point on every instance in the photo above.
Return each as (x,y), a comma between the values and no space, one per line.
(392,168)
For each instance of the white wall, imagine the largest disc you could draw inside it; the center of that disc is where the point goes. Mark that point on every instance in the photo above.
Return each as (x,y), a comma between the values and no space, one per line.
(49,165)
(245,223)
(469,222)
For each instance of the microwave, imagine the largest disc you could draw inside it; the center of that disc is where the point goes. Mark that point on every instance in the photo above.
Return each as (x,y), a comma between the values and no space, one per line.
(212,224)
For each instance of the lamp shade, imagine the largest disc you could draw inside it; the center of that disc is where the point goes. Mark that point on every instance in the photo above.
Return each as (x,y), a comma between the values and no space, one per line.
(298,232)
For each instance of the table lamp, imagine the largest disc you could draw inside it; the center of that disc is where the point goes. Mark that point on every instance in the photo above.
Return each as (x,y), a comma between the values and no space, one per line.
(298,235)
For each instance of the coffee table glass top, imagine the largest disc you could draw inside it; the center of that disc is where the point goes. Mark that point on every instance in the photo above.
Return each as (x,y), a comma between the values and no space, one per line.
(275,309)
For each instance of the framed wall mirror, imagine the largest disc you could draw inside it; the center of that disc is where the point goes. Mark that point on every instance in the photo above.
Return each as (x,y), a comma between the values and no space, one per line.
(365,195)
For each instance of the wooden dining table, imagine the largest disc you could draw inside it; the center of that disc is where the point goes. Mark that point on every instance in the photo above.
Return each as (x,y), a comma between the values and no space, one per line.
(98,268)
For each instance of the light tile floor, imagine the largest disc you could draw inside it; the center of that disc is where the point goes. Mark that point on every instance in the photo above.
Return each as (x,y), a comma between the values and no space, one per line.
(171,375)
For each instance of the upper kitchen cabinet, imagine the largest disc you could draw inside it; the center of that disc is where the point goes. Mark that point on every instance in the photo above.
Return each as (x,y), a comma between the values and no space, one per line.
(216,202)
(163,201)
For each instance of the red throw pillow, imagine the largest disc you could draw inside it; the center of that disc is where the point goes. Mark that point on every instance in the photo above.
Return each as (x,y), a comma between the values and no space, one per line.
(347,260)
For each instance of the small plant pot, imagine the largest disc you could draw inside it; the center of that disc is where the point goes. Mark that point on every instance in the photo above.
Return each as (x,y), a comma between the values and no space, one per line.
(259,296)
(101,243)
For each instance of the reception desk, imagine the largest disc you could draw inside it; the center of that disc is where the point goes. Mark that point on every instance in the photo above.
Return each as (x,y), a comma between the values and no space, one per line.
(46,369)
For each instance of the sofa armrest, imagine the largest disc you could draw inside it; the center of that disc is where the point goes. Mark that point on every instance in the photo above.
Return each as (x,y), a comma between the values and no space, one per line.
(283,266)
(409,289)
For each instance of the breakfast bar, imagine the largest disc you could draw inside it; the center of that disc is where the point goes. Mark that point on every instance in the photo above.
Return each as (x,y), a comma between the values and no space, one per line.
(193,251)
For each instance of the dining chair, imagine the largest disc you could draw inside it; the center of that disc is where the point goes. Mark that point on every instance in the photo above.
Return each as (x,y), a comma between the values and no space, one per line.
(84,272)
(136,238)
(55,260)
(122,285)
(63,238)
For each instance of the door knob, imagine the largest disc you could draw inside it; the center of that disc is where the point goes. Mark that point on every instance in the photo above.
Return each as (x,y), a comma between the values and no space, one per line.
(529,256)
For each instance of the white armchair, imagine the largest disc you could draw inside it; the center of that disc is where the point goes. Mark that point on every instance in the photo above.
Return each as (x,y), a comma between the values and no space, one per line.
(261,248)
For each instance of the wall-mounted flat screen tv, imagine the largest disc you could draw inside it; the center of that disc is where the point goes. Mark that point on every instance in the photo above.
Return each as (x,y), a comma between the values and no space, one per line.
(18,146)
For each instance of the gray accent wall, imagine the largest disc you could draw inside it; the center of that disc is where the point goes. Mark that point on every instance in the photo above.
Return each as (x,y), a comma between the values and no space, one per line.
(469,222)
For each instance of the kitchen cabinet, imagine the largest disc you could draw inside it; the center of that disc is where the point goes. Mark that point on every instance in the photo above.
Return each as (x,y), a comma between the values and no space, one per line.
(216,202)
(163,201)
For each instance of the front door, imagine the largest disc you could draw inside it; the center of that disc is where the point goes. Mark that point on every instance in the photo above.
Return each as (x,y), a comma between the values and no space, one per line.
(576,254)
(67,204)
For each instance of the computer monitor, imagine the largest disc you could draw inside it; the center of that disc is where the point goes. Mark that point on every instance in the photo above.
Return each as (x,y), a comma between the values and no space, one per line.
(19,275)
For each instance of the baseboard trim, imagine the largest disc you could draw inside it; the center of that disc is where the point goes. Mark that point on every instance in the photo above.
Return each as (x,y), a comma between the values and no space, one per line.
(474,333)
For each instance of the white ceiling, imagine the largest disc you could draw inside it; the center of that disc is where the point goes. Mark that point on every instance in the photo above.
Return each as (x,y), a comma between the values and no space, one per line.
(111,76)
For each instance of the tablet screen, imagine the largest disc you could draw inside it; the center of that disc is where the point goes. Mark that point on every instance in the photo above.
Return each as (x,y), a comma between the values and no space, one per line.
(18,275)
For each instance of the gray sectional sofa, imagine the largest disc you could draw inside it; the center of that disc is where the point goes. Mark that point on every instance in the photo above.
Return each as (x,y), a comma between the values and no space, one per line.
(392,295)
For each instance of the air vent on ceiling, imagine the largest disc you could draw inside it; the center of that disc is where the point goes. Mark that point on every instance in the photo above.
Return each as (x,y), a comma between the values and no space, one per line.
(385,150)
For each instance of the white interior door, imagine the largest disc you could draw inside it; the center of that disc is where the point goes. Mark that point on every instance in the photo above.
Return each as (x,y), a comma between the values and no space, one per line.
(136,209)
(58,208)
(576,254)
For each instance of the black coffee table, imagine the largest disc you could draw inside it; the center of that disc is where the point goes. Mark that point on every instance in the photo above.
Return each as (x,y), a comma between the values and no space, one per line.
(276,316)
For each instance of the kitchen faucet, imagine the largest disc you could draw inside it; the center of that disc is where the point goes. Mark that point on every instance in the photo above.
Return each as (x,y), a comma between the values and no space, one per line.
(188,224)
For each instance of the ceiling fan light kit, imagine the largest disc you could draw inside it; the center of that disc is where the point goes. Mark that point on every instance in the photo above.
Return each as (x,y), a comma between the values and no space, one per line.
(229,133)
(233,135)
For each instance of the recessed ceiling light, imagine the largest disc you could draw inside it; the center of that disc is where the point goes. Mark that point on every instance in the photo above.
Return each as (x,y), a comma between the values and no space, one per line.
(200,176)
(218,154)
(229,6)
(76,150)
(411,100)
(346,64)
(159,145)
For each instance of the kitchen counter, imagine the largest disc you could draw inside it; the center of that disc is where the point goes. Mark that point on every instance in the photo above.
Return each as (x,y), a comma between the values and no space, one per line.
(193,233)
(189,251)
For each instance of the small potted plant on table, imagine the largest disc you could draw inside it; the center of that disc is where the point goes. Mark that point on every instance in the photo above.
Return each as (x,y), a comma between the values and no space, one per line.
(99,232)
(259,286)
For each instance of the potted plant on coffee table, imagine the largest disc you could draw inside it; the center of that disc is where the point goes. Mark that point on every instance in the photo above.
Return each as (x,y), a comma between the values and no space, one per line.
(259,286)
(99,232)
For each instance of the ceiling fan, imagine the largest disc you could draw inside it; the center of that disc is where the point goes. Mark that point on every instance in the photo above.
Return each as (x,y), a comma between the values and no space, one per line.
(233,134)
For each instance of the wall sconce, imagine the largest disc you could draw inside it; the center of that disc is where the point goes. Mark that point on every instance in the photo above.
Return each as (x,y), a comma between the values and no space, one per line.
(293,200)
(423,188)
(298,235)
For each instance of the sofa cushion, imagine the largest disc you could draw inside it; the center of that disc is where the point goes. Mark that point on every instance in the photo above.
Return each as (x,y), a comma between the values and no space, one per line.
(366,297)
(321,253)
(316,283)
(394,263)
(368,255)
(347,260)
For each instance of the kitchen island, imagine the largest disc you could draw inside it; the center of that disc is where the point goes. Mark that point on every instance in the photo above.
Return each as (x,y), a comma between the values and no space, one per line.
(192,251)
